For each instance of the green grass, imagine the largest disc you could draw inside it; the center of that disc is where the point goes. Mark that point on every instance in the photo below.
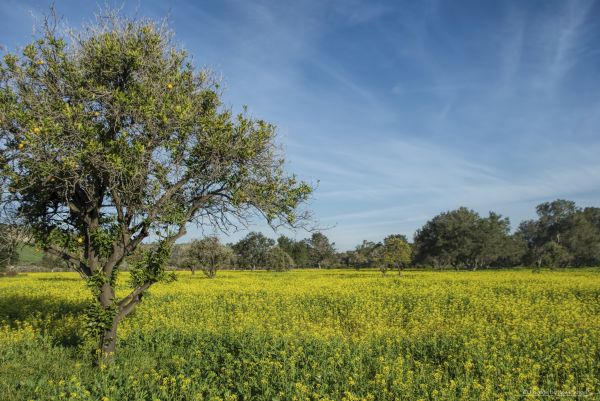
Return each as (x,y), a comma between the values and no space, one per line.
(311,335)
(29,255)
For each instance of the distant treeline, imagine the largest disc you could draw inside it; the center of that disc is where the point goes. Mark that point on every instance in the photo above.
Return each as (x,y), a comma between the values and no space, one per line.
(562,235)
(255,251)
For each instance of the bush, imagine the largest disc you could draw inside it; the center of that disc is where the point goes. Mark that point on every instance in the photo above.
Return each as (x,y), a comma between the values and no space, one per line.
(278,260)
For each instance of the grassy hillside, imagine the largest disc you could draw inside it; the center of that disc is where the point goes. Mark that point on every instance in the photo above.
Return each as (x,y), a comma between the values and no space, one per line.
(311,335)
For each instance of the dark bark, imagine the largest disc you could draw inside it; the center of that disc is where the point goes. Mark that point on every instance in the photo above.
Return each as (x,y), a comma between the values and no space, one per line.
(108,342)
(108,338)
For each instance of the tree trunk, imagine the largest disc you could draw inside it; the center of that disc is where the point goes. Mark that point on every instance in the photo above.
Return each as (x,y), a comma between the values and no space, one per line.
(108,342)
(108,338)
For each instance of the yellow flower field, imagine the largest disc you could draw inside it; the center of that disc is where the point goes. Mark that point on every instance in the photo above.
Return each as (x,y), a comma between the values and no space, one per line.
(312,335)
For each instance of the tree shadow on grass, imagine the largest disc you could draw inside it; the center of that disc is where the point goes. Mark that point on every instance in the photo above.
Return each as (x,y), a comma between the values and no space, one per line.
(60,279)
(59,319)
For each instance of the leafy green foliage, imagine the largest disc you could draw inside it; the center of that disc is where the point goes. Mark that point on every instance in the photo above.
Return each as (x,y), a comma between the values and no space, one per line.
(298,250)
(562,235)
(364,255)
(462,238)
(150,268)
(252,251)
(396,253)
(321,251)
(278,260)
(210,255)
(110,136)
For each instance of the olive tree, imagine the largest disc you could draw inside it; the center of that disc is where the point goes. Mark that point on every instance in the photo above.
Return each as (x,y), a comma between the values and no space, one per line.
(209,254)
(109,136)
(395,253)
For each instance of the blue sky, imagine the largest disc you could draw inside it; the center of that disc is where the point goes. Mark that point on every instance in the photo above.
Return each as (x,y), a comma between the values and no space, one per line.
(401,110)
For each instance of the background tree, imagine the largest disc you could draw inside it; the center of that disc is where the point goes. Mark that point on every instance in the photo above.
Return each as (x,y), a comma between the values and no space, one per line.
(209,255)
(13,234)
(178,258)
(52,262)
(252,250)
(449,238)
(279,260)
(529,234)
(358,259)
(492,241)
(581,240)
(364,255)
(11,240)
(462,238)
(110,136)
(562,235)
(320,249)
(552,255)
(513,252)
(554,219)
(396,253)
(298,250)
(592,214)
(343,258)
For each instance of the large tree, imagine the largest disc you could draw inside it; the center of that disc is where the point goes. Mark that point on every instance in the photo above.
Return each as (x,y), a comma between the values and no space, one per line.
(562,235)
(448,239)
(462,238)
(110,136)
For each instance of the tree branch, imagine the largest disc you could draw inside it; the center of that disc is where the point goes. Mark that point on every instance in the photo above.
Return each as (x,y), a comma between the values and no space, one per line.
(69,258)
